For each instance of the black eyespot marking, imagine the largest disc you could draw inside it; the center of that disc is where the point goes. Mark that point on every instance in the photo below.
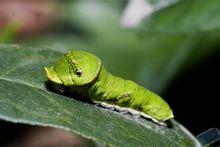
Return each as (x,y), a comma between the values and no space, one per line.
(79,73)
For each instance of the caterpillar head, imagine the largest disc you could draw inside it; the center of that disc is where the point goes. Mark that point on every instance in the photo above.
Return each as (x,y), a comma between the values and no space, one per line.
(75,68)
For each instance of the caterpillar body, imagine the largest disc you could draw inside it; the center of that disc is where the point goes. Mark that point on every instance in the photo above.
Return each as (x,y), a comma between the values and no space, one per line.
(83,74)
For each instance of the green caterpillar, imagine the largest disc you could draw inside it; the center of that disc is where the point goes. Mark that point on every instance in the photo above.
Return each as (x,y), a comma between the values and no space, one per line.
(83,74)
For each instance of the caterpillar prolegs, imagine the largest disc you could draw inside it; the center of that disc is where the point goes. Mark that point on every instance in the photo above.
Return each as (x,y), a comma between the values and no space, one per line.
(83,74)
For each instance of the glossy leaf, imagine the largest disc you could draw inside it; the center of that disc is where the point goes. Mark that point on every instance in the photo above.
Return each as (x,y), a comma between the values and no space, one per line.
(24,98)
(186,17)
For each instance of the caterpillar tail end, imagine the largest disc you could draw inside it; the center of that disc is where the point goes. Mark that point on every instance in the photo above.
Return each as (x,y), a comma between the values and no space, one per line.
(170,116)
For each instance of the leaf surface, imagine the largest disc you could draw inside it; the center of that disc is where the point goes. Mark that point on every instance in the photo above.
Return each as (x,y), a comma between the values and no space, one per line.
(24,98)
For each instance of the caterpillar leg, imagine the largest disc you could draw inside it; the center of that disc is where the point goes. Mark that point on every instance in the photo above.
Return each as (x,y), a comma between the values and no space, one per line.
(133,112)
(153,119)
(138,114)
(112,107)
(121,109)
(105,105)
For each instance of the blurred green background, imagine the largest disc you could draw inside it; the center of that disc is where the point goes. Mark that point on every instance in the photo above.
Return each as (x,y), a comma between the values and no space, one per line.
(168,46)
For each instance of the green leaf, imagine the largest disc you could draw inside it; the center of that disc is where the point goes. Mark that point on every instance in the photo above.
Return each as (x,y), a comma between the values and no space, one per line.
(179,36)
(185,17)
(165,44)
(24,98)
